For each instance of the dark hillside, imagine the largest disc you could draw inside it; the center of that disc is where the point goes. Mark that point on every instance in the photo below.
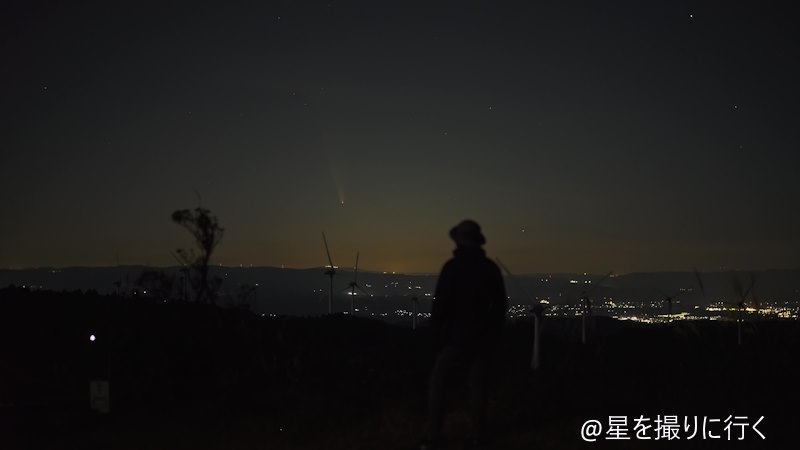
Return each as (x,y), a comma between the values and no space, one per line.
(186,375)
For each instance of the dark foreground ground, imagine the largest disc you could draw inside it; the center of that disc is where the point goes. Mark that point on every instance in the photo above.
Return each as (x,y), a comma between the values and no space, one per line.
(189,376)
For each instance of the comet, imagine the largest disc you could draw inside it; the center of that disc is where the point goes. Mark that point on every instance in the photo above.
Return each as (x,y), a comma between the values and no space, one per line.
(336,181)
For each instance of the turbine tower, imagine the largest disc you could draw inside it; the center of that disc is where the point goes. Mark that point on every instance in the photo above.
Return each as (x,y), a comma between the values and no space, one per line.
(537,311)
(330,273)
(745,294)
(586,304)
(667,300)
(353,286)
(745,297)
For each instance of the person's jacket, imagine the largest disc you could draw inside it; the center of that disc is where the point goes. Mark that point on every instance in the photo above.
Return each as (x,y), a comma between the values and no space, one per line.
(470,302)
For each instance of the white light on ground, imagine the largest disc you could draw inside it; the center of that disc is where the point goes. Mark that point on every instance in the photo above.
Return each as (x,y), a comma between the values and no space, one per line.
(92,337)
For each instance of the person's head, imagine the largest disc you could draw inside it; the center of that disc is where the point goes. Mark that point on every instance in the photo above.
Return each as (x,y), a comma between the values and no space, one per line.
(467,234)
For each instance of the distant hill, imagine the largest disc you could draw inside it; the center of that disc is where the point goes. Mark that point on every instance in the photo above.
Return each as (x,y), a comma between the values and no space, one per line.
(274,290)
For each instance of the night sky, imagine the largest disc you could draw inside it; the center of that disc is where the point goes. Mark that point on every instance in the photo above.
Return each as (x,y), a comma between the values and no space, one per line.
(583,136)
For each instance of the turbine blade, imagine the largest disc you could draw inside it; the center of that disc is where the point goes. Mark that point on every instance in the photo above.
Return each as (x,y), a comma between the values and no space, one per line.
(749,291)
(516,281)
(503,266)
(596,284)
(737,287)
(755,300)
(330,261)
(355,272)
(700,282)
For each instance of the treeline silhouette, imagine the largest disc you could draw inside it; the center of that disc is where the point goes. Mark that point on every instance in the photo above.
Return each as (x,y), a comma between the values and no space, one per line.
(195,375)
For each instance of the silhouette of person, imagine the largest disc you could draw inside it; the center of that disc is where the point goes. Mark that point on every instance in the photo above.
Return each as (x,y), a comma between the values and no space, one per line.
(467,318)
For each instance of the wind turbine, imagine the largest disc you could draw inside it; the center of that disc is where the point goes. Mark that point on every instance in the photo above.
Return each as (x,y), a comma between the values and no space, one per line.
(537,311)
(330,273)
(353,285)
(118,283)
(668,299)
(586,305)
(700,282)
(746,296)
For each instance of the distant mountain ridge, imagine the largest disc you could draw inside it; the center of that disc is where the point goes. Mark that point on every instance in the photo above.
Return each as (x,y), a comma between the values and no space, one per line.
(304,291)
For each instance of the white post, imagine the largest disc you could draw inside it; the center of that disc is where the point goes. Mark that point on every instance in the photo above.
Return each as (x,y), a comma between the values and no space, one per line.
(535,356)
(414,313)
(330,294)
(99,398)
(739,328)
(583,327)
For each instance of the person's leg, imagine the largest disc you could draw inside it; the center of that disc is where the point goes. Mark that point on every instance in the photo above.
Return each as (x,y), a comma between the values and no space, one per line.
(479,393)
(437,386)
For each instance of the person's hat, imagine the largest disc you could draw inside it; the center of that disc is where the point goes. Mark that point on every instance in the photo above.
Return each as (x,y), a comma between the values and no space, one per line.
(468,232)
